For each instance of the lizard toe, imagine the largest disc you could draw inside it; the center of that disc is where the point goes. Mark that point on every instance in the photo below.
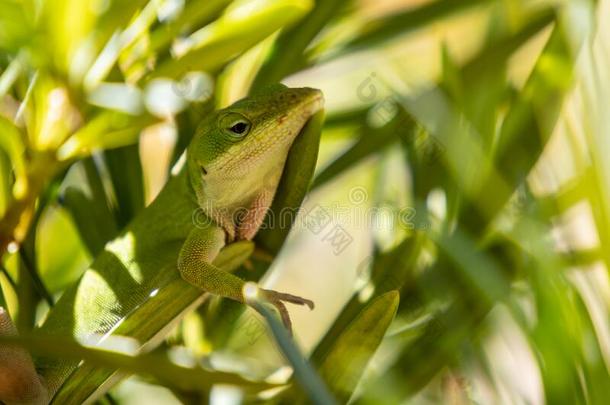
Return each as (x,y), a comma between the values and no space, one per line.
(274,296)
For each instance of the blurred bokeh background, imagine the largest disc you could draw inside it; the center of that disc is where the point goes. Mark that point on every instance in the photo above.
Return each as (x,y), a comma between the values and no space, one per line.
(456,237)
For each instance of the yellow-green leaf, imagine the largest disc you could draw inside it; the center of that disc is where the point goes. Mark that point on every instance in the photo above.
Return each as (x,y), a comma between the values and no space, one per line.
(242,26)
(11,142)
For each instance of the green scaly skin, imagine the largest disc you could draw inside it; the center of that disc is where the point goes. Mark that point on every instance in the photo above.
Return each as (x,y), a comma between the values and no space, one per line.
(184,244)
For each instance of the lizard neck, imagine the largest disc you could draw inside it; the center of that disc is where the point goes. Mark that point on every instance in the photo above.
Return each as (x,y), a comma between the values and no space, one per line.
(220,218)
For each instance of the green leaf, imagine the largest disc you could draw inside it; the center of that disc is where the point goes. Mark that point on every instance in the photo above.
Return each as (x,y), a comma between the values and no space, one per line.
(287,52)
(372,140)
(2,299)
(347,117)
(90,209)
(196,13)
(241,27)
(11,141)
(157,365)
(525,131)
(107,130)
(60,260)
(478,271)
(66,25)
(10,75)
(129,35)
(346,361)
(125,170)
(16,26)
(95,224)
(391,270)
(5,182)
(389,27)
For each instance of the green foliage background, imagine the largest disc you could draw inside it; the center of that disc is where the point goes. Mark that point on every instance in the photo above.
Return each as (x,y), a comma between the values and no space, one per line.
(479,126)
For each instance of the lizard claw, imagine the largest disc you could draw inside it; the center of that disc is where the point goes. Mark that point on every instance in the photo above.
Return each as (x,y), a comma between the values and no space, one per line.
(277,298)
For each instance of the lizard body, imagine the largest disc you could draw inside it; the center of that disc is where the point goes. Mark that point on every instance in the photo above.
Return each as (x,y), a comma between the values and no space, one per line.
(182,245)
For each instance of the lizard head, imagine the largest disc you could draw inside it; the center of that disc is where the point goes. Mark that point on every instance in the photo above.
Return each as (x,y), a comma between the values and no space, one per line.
(238,153)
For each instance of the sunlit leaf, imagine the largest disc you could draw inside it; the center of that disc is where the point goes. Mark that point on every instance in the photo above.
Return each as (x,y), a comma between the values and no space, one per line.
(107,130)
(15,25)
(11,142)
(243,25)
(159,366)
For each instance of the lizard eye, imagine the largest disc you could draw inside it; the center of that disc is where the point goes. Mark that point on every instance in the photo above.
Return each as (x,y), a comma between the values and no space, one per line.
(236,125)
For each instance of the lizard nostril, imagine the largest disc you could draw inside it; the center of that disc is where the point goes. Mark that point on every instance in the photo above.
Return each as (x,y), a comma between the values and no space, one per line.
(203,171)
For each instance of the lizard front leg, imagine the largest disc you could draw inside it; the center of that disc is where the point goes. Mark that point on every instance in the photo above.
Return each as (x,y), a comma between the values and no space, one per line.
(20,384)
(195,266)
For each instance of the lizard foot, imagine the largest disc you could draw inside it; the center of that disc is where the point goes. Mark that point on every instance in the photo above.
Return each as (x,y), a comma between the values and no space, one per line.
(277,300)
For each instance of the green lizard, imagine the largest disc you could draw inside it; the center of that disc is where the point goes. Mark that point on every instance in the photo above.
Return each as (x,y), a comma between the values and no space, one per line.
(199,226)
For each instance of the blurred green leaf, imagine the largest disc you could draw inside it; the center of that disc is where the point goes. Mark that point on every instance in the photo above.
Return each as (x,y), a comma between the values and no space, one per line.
(372,140)
(5,182)
(196,13)
(2,299)
(125,170)
(524,133)
(238,29)
(480,272)
(355,116)
(159,366)
(390,270)
(74,31)
(287,53)
(388,27)
(15,25)
(50,115)
(346,361)
(120,42)
(60,260)
(107,130)
(94,225)
(11,142)
(10,75)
